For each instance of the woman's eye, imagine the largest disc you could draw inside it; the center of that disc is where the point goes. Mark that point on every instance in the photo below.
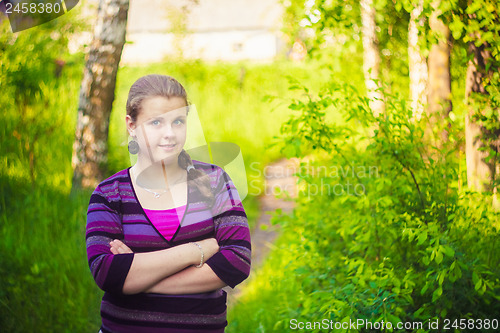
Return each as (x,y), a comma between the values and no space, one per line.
(155,122)
(178,121)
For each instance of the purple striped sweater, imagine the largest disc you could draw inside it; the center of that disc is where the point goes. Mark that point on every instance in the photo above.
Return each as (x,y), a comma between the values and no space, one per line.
(115,213)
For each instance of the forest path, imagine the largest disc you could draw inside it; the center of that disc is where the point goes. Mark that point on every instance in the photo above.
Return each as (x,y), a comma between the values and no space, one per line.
(278,176)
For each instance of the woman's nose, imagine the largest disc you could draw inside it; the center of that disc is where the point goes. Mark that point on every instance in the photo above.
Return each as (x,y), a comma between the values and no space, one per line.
(168,131)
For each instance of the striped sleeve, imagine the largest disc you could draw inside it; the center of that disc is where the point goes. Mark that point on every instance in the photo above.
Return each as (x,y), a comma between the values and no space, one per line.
(232,263)
(104,225)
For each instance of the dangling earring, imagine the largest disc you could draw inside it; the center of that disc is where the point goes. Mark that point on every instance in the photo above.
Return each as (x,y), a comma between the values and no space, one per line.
(133,147)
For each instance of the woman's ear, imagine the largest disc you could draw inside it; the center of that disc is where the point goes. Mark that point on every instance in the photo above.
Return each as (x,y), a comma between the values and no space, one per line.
(130,125)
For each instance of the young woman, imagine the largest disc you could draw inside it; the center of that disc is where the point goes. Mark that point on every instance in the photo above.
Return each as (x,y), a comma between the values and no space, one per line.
(165,235)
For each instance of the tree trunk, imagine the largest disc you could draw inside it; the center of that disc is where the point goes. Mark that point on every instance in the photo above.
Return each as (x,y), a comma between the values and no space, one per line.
(97,92)
(480,174)
(371,56)
(439,95)
(417,63)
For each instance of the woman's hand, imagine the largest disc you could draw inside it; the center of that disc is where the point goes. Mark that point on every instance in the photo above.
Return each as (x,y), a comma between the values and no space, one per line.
(118,247)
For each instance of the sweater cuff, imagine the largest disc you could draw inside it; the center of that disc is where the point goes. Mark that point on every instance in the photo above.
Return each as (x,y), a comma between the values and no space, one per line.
(229,274)
(118,272)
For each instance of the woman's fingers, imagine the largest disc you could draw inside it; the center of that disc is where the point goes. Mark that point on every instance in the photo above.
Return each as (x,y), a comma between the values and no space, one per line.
(118,247)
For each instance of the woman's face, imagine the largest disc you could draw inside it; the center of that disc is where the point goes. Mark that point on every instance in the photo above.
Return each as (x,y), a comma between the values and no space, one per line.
(160,128)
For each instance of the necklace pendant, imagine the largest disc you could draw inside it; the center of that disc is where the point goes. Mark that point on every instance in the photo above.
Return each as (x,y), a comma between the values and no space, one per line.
(157,195)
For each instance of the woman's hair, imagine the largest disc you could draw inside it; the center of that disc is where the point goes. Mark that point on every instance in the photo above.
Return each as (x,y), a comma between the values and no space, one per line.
(155,85)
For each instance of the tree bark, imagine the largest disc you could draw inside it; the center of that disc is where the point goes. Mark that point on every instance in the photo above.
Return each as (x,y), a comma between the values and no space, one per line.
(439,95)
(417,63)
(371,56)
(90,148)
(480,174)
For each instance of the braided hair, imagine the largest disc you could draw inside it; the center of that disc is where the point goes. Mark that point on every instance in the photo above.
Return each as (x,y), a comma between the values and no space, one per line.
(155,85)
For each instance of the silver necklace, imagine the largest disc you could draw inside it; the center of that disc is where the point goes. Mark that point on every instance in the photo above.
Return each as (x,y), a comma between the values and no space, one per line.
(156,194)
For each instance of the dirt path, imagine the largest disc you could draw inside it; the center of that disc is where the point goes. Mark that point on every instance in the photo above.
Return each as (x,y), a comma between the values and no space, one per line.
(278,175)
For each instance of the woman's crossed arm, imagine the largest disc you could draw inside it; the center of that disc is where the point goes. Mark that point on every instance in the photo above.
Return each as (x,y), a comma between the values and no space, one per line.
(168,271)
(176,274)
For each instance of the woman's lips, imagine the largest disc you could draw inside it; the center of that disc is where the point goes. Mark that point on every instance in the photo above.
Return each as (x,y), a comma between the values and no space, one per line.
(168,147)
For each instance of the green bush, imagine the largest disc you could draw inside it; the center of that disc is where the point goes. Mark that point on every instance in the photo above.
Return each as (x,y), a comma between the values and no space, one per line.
(383,229)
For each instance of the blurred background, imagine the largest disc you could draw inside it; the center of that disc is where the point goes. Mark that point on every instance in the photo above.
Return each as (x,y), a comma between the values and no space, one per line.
(389,110)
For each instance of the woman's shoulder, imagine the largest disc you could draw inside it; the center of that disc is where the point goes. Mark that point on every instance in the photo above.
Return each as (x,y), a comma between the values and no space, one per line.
(113,182)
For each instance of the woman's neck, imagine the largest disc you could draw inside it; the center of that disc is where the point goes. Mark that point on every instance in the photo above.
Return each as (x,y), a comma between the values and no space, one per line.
(158,175)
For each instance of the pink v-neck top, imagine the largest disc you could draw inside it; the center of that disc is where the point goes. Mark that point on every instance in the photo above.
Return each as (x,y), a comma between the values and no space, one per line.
(166,221)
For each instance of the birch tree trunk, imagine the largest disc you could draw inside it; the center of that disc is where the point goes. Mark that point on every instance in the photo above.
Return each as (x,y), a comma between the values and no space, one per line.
(417,63)
(97,92)
(371,56)
(480,174)
(439,96)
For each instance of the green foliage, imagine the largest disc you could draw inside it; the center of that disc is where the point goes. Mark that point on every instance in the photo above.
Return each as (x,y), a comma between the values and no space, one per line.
(31,89)
(45,285)
(319,23)
(382,229)
(486,114)
(41,229)
(477,23)
(328,25)
(334,27)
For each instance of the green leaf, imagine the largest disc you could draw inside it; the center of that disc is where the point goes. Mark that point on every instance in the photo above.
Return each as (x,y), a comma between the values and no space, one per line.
(448,251)
(422,237)
(424,289)
(392,318)
(478,284)
(289,151)
(437,293)
(439,257)
(441,277)
(475,278)
(426,260)
(301,270)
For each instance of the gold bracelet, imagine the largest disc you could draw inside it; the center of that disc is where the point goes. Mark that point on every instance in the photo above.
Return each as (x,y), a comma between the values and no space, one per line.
(202,254)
